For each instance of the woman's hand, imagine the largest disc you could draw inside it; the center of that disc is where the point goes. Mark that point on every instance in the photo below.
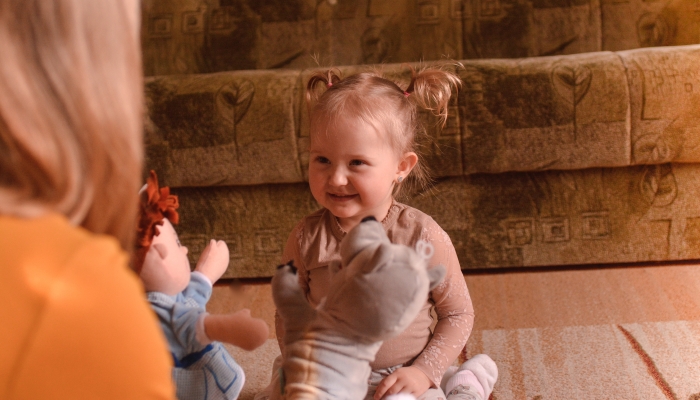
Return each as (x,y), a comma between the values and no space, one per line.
(403,380)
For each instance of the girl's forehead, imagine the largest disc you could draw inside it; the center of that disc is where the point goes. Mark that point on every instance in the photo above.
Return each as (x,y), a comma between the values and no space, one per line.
(328,127)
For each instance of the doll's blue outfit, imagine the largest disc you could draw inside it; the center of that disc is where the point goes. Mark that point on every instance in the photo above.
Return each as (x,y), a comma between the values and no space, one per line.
(202,370)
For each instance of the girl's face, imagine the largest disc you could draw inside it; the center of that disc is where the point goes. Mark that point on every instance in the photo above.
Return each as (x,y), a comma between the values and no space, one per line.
(352,170)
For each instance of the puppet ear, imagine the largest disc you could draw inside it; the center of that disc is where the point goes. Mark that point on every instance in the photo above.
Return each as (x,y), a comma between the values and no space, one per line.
(161,249)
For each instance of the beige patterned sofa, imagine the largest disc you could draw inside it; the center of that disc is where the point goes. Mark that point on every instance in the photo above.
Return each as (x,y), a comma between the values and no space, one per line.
(565,160)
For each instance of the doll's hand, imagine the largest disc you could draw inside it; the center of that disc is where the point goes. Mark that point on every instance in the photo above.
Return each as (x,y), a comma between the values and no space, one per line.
(214,260)
(238,329)
(403,380)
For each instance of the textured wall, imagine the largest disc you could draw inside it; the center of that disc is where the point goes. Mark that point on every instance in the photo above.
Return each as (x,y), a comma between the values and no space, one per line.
(201,36)
(588,158)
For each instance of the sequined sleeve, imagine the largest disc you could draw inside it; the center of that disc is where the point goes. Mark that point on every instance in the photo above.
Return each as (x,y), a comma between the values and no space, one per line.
(453,306)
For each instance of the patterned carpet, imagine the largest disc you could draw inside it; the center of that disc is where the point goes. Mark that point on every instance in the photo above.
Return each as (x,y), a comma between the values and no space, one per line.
(653,360)
(614,333)
(257,366)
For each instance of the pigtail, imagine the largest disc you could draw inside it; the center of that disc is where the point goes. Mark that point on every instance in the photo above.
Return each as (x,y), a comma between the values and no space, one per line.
(327,78)
(431,89)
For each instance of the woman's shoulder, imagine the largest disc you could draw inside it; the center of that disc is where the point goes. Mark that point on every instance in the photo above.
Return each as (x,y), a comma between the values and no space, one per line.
(93,266)
(54,240)
(80,284)
(99,253)
(104,287)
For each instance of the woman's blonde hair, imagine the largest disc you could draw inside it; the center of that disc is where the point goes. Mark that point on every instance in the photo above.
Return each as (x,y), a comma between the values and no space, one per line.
(71,112)
(383,104)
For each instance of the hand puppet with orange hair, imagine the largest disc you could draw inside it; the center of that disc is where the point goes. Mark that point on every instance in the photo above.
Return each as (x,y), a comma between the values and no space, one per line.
(203,368)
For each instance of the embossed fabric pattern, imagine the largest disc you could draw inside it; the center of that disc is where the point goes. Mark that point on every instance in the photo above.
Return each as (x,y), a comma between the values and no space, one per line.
(545,161)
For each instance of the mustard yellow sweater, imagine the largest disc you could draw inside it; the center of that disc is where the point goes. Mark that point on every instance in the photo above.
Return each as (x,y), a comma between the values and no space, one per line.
(74,322)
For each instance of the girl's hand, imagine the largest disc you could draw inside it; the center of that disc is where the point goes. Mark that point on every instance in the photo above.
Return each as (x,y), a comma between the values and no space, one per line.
(403,380)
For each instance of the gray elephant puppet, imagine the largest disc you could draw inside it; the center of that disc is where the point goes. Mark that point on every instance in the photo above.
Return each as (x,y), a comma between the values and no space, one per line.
(328,350)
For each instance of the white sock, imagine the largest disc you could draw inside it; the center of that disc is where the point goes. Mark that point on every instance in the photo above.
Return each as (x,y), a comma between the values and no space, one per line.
(464,378)
(481,368)
(449,373)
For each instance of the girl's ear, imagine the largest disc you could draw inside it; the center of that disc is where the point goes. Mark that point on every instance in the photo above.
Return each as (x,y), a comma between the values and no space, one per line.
(407,162)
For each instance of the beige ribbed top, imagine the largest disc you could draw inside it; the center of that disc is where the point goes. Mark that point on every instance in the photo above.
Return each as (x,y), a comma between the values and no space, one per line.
(315,242)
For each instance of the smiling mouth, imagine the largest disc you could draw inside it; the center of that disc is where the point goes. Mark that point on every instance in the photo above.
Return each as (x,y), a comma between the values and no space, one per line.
(341,198)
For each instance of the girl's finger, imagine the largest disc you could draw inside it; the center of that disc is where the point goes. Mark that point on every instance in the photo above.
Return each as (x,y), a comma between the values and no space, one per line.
(396,388)
(383,386)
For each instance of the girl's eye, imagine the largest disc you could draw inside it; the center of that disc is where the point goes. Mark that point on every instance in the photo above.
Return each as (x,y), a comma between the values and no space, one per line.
(322,160)
(357,162)
(178,243)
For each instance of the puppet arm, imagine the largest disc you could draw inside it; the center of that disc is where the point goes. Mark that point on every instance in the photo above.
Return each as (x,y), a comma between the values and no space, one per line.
(238,329)
(214,260)
(199,289)
(183,320)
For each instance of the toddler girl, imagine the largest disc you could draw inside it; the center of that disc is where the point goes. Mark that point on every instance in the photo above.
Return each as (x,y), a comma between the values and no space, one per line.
(362,152)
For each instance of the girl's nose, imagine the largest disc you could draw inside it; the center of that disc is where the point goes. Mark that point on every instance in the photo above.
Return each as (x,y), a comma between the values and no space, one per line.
(338,177)
(184,249)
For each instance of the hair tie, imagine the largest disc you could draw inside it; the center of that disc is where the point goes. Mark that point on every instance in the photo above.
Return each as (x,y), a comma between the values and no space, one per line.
(405,93)
(329,85)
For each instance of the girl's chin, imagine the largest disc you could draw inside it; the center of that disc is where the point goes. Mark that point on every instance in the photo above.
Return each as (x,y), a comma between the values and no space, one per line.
(341,212)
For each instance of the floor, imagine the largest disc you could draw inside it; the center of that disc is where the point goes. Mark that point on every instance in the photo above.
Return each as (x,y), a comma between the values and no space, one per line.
(547,327)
